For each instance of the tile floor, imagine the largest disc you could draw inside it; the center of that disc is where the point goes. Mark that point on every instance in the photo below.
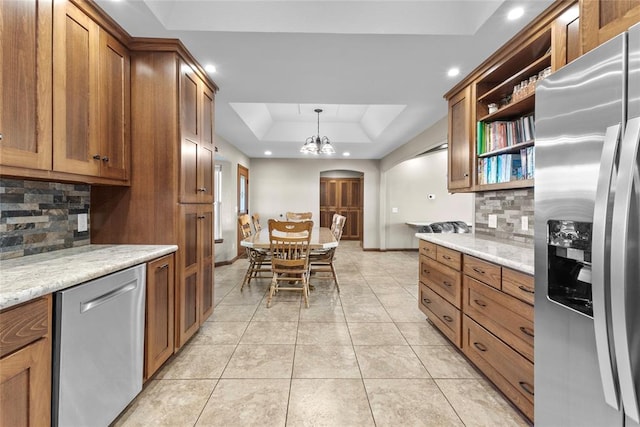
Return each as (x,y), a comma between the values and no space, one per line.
(361,357)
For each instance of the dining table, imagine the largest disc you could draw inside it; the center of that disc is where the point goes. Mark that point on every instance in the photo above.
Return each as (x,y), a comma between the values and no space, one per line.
(321,238)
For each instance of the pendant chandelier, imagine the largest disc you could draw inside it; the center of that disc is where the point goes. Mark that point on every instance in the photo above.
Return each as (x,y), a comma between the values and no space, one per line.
(317,144)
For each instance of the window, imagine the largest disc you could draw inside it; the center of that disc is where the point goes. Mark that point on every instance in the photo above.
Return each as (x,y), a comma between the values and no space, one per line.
(217,203)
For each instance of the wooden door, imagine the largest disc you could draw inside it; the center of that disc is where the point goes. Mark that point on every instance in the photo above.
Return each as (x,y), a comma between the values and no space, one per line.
(75,112)
(160,320)
(187,309)
(601,20)
(460,144)
(342,196)
(25,84)
(206,252)
(114,108)
(243,201)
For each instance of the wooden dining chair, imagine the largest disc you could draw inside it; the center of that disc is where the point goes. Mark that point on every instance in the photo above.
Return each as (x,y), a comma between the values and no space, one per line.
(321,261)
(255,219)
(298,216)
(259,260)
(289,246)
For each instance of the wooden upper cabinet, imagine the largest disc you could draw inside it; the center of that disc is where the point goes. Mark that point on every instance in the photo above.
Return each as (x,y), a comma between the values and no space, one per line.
(601,20)
(25,91)
(196,149)
(566,38)
(460,144)
(91,97)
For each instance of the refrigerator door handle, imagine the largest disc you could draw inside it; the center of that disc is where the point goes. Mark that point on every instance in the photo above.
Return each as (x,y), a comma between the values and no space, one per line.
(600,266)
(625,238)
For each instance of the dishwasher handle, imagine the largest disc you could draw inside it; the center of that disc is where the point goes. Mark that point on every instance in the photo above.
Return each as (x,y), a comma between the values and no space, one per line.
(97,301)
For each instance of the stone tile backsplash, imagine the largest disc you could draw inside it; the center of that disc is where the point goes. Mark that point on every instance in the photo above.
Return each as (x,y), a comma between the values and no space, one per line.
(509,206)
(38,216)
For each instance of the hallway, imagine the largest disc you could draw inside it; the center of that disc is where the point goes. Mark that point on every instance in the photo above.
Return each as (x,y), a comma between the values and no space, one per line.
(362,357)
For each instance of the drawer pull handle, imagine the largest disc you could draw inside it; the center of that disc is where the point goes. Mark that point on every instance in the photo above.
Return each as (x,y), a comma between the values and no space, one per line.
(447,318)
(480,346)
(526,387)
(480,302)
(426,300)
(478,270)
(105,159)
(526,289)
(447,257)
(425,271)
(96,157)
(202,189)
(526,331)
(163,266)
(447,284)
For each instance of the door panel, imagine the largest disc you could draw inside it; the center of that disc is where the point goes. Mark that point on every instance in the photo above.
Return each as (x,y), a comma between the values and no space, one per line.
(342,196)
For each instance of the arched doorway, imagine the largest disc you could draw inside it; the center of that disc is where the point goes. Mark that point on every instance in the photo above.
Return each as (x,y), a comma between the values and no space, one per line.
(342,192)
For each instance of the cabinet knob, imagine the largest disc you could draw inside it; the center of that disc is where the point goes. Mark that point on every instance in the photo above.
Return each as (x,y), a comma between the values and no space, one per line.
(426,300)
(466,175)
(96,157)
(105,159)
(0,137)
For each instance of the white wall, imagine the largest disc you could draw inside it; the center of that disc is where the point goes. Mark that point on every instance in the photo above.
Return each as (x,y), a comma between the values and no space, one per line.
(229,157)
(280,185)
(407,187)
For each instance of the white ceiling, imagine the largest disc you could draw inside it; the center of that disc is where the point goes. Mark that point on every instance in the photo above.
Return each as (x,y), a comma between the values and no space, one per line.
(378,69)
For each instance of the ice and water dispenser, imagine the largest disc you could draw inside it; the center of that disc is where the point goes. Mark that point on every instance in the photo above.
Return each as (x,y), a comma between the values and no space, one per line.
(569,264)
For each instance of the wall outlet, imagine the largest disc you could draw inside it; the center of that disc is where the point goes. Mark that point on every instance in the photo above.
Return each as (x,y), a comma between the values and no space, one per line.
(394,210)
(82,222)
(493,221)
(525,223)
(431,196)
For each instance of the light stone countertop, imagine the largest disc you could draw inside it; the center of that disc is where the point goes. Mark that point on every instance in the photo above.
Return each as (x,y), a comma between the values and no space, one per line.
(514,255)
(25,278)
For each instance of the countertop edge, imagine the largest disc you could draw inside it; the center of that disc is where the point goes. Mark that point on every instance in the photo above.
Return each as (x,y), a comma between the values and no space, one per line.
(523,267)
(128,256)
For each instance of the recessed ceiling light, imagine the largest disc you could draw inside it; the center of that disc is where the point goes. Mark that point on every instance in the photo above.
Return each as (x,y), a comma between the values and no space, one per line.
(267,153)
(210,68)
(515,13)
(453,72)
(346,154)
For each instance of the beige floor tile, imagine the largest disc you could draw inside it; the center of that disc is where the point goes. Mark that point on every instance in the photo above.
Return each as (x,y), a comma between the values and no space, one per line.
(409,402)
(445,362)
(397,298)
(171,403)
(375,334)
(325,361)
(478,404)
(212,333)
(409,313)
(232,313)
(197,362)
(270,333)
(398,361)
(323,333)
(366,313)
(250,296)
(421,333)
(247,402)
(322,312)
(260,361)
(367,298)
(328,402)
(279,311)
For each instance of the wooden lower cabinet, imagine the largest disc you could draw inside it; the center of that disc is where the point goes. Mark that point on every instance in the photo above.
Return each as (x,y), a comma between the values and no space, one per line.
(160,309)
(443,315)
(25,364)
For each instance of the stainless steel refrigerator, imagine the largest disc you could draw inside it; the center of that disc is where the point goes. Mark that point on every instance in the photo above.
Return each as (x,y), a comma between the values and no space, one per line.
(587,238)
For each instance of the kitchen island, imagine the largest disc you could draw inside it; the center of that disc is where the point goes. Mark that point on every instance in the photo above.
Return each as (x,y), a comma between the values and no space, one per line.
(479,293)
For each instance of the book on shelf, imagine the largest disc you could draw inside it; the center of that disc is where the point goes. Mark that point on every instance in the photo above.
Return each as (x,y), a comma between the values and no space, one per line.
(506,167)
(491,136)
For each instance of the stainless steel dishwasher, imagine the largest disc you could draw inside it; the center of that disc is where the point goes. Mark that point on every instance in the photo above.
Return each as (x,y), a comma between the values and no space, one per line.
(98,348)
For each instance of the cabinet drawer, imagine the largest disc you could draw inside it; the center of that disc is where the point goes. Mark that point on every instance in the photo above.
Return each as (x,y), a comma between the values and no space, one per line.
(508,318)
(442,279)
(24,324)
(518,284)
(428,249)
(482,270)
(449,257)
(443,315)
(508,370)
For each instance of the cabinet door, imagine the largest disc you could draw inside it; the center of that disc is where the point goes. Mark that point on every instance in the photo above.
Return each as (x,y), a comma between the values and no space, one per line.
(460,144)
(25,83)
(205,224)
(114,107)
(187,309)
(75,112)
(159,326)
(205,173)
(601,20)
(25,386)
(566,44)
